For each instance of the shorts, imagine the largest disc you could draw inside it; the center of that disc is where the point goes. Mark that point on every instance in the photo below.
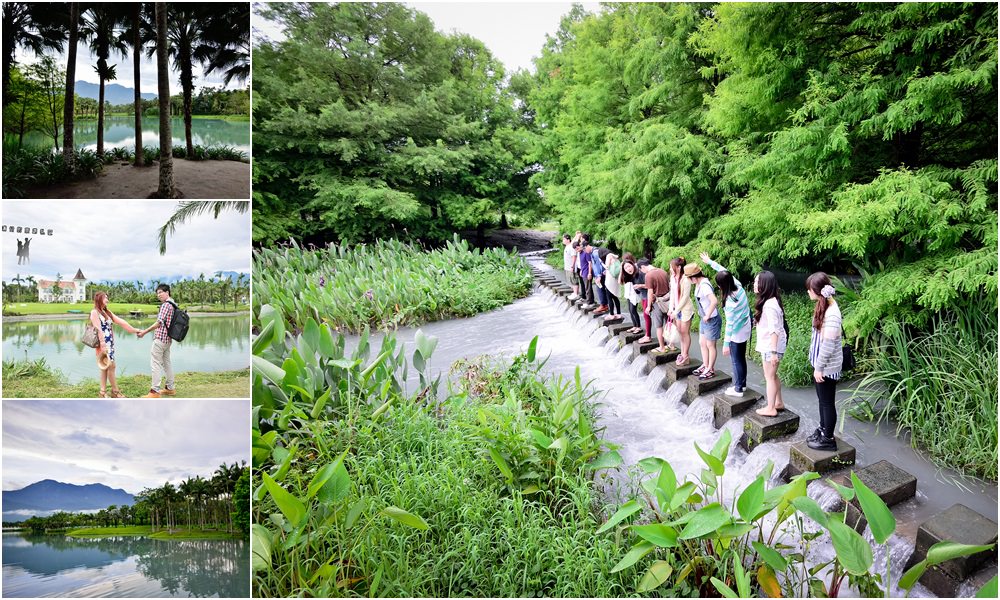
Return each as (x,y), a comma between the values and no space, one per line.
(572,277)
(685,315)
(711,329)
(658,316)
(767,355)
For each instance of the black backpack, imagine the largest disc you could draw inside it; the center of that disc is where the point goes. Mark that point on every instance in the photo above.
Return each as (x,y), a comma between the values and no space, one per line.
(178,329)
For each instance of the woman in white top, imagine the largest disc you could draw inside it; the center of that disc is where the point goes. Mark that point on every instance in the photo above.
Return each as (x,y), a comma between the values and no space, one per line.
(772,337)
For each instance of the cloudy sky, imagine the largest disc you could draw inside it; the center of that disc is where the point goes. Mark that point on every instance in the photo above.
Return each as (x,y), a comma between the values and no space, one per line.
(86,61)
(513,31)
(116,240)
(127,444)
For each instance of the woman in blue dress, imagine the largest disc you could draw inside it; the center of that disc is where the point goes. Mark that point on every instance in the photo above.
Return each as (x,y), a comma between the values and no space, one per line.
(102,318)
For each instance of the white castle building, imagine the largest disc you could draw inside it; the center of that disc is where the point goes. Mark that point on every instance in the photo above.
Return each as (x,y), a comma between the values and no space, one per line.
(70,291)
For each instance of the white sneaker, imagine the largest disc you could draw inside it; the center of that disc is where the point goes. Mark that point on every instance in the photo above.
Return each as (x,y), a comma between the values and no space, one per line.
(731,391)
(573,296)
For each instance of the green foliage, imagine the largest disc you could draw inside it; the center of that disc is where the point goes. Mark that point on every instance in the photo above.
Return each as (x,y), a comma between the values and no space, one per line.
(29,166)
(369,124)
(387,284)
(241,503)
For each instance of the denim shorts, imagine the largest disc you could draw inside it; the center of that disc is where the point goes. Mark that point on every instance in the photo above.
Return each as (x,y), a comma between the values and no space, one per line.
(711,329)
(767,355)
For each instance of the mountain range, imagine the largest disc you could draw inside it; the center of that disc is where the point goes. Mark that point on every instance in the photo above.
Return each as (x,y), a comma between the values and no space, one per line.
(113,93)
(48,495)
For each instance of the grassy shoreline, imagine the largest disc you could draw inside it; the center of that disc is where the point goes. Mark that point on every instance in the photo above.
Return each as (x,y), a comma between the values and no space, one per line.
(43,382)
(59,309)
(147,530)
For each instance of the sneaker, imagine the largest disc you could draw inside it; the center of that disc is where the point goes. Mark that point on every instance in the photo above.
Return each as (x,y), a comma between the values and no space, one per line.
(573,296)
(152,394)
(826,444)
(815,435)
(732,392)
(600,310)
(168,392)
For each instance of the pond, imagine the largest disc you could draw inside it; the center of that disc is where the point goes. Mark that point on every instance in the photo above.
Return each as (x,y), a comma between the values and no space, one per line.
(120,131)
(212,344)
(132,567)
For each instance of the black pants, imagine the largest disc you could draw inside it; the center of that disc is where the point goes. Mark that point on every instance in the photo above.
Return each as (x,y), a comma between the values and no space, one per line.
(633,311)
(827,394)
(589,285)
(614,305)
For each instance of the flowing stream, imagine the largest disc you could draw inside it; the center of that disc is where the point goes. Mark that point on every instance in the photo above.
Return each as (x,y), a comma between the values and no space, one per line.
(645,420)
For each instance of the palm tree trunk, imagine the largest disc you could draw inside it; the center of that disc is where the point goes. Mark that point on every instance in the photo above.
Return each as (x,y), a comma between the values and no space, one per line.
(136,51)
(166,188)
(68,146)
(100,113)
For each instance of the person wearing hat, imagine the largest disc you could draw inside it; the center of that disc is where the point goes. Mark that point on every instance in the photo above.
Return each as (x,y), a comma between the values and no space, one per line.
(711,321)
(102,318)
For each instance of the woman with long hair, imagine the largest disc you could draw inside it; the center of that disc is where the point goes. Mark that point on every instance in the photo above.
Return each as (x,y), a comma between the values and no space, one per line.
(102,318)
(681,309)
(737,332)
(826,356)
(772,337)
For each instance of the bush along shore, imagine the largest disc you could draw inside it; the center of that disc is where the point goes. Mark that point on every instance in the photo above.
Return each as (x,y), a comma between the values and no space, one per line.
(36,379)
(385,285)
(25,168)
(365,487)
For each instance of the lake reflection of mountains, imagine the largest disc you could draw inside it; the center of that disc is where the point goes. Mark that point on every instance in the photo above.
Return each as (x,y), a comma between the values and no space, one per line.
(195,568)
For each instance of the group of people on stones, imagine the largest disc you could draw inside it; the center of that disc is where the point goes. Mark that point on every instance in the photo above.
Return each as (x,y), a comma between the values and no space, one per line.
(668,299)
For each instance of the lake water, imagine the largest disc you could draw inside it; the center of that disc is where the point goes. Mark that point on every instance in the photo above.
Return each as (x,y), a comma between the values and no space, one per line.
(126,567)
(212,344)
(120,131)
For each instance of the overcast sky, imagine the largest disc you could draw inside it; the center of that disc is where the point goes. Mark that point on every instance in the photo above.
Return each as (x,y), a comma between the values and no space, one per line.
(86,61)
(116,240)
(127,444)
(513,31)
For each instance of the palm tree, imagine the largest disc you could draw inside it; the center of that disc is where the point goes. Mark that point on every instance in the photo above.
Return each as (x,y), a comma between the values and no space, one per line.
(30,279)
(18,280)
(139,32)
(101,30)
(68,147)
(30,25)
(186,210)
(166,187)
(227,41)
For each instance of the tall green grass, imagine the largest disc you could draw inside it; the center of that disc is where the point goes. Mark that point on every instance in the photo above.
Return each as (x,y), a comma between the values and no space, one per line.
(941,385)
(386,285)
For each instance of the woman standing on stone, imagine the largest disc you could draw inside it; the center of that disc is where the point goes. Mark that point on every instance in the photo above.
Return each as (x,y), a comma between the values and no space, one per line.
(681,309)
(612,286)
(826,356)
(737,331)
(772,337)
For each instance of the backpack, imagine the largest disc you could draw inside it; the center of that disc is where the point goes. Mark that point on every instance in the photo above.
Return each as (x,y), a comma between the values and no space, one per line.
(178,329)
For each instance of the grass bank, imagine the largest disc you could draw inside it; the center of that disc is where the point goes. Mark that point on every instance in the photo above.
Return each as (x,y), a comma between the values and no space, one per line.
(35,379)
(385,285)
(147,530)
(15,309)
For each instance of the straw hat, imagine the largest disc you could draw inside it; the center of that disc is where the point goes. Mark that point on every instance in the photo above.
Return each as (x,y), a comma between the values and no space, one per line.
(103,361)
(692,269)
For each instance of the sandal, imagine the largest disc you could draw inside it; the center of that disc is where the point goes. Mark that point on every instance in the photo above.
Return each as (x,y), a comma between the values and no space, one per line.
(707,374)
(117,394)
(102,394)
(699,370)
(683,360)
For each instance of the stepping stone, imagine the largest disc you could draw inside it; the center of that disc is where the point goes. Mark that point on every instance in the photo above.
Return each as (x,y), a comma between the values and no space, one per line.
(601,316)
(892,484)
(697,387)
(628,338)
(653,359)
(727,407)
(675,373)
(802,458)
(588,308)
(612,322)
(563,291)
(758,429)
(618,328)
(957,524)
(639,349)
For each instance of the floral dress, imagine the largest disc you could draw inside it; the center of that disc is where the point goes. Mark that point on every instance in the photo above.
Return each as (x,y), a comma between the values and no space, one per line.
(109,335)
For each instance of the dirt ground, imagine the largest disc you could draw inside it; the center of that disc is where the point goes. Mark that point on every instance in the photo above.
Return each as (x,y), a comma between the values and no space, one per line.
(208,179)
(525,240)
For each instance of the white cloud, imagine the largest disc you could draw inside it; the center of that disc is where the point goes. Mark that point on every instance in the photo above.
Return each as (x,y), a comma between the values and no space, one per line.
(116,240)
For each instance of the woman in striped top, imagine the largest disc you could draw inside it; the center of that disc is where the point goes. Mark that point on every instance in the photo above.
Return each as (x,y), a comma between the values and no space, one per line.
(827,356)
(737,332)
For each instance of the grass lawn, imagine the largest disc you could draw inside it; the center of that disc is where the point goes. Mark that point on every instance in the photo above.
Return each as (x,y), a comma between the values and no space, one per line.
(180,534)
(122,310)
(223,117)
(49,384)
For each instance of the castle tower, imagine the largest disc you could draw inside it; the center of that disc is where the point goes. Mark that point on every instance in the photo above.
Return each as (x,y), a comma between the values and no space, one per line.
(80,293)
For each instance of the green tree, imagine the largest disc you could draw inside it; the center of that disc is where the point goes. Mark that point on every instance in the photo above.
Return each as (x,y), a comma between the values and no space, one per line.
(33,26)
(241,503)
(101,28)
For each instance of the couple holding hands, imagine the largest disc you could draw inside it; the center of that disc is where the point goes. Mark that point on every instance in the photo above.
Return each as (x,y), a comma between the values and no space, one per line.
(102,319)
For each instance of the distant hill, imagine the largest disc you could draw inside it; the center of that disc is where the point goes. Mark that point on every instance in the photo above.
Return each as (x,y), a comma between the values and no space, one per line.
(49,495)
(113,93)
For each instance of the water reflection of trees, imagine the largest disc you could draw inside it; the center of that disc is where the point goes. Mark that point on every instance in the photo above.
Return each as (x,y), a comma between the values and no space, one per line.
(120,131)
(201,567)
(198,568)
(228,333)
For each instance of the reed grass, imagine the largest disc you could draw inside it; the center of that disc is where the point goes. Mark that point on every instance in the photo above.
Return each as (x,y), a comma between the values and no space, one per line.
(386,285)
